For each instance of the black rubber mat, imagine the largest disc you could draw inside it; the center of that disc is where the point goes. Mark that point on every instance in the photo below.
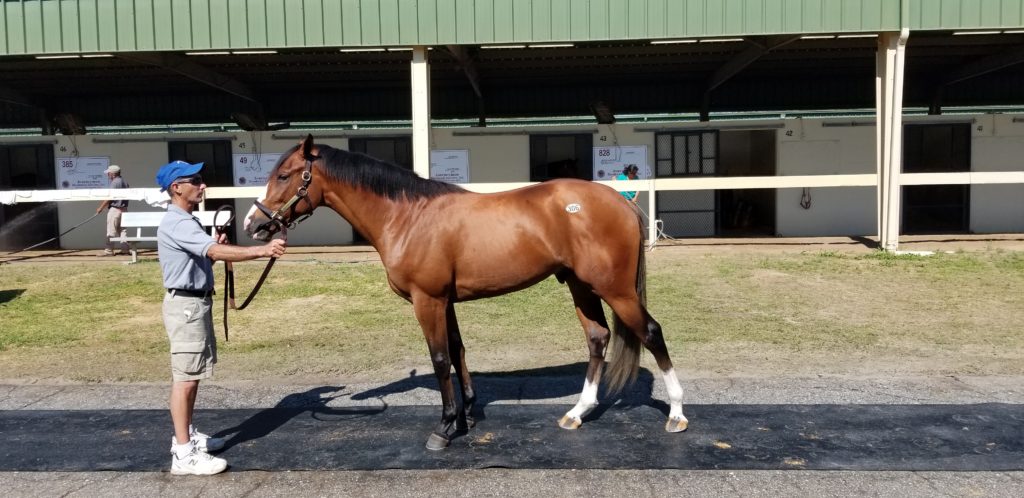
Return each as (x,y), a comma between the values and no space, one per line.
(849,437)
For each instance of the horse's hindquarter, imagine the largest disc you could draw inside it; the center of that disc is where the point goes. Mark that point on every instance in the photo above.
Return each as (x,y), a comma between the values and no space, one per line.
(481,245)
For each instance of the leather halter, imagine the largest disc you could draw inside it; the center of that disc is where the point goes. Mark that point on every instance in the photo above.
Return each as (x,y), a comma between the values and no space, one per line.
(277,221)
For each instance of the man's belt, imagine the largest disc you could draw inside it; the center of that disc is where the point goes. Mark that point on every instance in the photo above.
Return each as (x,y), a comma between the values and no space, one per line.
(191,293)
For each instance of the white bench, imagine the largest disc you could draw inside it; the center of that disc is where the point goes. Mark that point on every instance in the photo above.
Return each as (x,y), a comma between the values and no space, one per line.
(151,220)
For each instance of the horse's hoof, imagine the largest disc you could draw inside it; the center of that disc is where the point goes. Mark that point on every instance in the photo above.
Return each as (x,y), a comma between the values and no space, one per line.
(676,424)
(436,442)
(570,423)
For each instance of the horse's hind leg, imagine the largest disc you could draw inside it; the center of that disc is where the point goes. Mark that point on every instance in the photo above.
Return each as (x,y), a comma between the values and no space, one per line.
(457,352)
(636,318)
(595,327)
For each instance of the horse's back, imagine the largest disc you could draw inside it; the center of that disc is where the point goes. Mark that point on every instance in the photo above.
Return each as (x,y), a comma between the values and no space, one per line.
(582,223)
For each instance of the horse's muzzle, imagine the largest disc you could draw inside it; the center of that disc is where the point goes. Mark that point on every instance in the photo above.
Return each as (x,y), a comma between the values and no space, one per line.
(265,230)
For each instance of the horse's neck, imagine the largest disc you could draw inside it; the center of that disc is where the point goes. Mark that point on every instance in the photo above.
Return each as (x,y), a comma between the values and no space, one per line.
(366,212)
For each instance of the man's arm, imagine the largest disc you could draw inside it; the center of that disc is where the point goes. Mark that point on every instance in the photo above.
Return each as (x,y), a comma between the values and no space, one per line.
(103,205)
(227,252)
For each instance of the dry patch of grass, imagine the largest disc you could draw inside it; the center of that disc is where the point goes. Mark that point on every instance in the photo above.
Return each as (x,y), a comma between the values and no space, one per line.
(723,314)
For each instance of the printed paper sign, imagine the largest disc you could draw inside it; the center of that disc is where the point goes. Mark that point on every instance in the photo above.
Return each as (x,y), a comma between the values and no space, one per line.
(609,161)
(450,166)
(82,172)
(253,169)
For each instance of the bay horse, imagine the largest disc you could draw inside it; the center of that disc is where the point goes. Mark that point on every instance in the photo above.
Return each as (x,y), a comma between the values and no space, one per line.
(441,244)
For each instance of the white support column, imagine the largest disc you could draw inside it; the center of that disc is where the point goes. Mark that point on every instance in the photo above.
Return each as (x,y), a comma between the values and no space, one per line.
(420,70)
(652,215)
(889,100)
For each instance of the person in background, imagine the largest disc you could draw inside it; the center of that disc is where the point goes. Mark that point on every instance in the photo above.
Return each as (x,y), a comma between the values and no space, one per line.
(114,211)
(629,173)
(187,254)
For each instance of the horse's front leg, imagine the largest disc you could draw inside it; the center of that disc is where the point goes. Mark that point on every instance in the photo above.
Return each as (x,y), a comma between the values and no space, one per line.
(457,351)
(431,313)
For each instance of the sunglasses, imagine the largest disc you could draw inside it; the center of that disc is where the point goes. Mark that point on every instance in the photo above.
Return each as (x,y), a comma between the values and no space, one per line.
(196,180)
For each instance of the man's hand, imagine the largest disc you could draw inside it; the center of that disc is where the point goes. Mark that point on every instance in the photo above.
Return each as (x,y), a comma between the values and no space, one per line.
(275,248)
(227,252)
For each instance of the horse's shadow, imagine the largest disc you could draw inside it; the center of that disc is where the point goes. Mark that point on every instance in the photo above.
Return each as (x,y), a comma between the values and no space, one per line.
(491,387)
(535,384)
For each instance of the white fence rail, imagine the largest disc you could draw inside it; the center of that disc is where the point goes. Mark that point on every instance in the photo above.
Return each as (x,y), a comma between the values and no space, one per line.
(153,196)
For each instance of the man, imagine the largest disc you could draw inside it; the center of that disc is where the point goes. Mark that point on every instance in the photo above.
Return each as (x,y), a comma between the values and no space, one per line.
(629,173)
(116,209)
(187,254)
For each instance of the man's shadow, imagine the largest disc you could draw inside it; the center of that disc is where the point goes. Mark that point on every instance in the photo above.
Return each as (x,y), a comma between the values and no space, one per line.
(269,420)
(530,385)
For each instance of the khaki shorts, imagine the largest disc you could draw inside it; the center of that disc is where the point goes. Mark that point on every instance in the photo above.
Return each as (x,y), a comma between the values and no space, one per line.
(189,324)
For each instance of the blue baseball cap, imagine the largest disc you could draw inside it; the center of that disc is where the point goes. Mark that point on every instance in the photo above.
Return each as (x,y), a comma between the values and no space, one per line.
(174,170)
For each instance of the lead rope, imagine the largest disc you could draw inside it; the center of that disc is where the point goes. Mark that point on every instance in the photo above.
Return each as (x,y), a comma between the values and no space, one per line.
(229,273)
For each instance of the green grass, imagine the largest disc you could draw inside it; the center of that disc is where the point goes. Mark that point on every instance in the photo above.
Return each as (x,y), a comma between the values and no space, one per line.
(815,312)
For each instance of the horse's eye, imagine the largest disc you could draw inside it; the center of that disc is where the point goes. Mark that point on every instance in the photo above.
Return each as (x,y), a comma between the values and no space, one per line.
(282,177)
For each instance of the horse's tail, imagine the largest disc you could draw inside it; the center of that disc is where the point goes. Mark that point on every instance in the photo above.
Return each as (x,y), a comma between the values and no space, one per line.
(624,345)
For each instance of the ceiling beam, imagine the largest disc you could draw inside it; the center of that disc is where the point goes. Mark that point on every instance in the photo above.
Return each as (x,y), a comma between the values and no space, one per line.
(759,46)
(467,62)
(979,67)
(468,65)
(986,65)
(190,69)
(12,96)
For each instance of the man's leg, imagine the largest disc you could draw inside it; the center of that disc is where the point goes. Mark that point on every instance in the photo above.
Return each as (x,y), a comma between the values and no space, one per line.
(183,402)
(113,222)
(120,231)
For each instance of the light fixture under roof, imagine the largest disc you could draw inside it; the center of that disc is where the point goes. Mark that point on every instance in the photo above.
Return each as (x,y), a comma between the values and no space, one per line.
(358,50)
(721,40)
(551,45)
(499,47)
(671,42)
(253,52)
(208,53)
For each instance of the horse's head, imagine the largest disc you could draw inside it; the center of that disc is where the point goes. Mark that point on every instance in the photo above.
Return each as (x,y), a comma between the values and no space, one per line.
(292,194)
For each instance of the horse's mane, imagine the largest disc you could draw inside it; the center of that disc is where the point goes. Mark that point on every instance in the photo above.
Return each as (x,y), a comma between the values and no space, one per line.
(380,177)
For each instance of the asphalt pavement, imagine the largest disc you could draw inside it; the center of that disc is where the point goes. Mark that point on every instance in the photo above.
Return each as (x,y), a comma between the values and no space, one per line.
(418,391)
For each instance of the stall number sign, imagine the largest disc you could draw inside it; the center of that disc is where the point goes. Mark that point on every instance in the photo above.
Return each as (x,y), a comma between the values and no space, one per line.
(450,166)
(253,169)
(82,172)
(609,161)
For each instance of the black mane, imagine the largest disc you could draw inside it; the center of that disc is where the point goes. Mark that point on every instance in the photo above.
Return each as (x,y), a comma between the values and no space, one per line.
(382,178)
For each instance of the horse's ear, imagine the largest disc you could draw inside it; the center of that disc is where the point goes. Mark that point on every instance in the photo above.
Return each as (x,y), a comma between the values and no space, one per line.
(307,148)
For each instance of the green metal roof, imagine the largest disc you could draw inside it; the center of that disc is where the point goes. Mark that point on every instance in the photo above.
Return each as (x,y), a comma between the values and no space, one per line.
(33,27)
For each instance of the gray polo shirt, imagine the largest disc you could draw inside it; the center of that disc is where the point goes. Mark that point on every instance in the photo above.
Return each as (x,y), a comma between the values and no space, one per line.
(119,182)
(182,245)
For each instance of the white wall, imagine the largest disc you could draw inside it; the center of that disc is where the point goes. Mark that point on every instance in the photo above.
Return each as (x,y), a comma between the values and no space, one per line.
(804,147)
(997,145)
(807,148)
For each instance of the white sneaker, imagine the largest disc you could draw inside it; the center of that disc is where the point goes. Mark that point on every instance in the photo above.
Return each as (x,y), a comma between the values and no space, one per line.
(191,461)
(203,442)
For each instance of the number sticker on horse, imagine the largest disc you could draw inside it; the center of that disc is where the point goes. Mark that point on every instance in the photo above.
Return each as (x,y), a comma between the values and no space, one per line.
(573,208)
